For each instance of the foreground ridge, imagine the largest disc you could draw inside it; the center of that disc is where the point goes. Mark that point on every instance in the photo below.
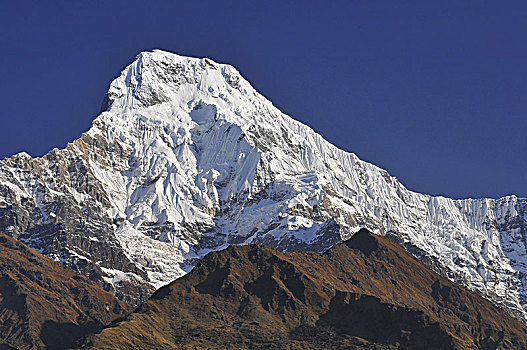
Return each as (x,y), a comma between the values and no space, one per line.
(44,305)
(366,293)
(186,157)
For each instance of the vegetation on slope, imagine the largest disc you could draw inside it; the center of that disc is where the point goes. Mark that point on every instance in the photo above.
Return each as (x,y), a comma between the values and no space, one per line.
(44,305)
(364,293)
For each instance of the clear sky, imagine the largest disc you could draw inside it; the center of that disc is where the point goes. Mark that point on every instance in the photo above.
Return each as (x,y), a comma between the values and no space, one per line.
(433,91)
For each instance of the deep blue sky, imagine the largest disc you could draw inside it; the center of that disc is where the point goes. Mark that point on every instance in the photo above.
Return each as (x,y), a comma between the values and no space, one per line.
(433,91)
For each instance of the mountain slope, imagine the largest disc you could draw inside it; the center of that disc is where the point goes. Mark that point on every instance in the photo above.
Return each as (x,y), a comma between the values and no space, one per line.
(45,305)
(186,157)
(364,293)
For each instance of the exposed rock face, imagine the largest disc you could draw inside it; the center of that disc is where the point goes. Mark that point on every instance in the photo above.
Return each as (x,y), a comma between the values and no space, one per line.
(64,217)
(44,305)
(366,293)
(187,157)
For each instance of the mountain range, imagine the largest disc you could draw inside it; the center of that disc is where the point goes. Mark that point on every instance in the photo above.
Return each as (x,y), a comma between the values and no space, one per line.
(365,293)
(186,157)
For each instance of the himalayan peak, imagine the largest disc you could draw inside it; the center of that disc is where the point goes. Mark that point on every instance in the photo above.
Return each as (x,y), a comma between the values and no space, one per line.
(186,157)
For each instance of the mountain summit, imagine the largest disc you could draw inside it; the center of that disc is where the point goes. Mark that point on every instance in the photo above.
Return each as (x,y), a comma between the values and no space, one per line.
(186,157)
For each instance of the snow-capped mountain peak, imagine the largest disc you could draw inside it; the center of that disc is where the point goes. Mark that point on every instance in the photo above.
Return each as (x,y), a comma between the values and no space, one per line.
(187,157)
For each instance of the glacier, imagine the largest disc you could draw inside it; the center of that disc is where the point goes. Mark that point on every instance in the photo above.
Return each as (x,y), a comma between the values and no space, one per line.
(186,157)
